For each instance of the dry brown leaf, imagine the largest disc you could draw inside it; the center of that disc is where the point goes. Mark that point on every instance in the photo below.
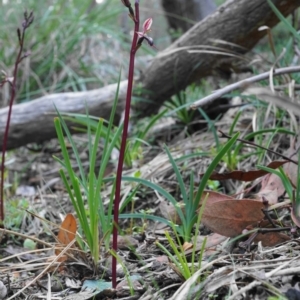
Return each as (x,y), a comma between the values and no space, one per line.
(249,175)
(66,234)
(291,169)
(168,211)
(230,217)
(213,197)
(186,246)
(271,239)
(270,195)
(271,189)
(214,239)
(67,230)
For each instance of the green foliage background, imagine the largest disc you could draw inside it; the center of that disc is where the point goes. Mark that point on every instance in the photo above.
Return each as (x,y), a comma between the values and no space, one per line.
(74,46)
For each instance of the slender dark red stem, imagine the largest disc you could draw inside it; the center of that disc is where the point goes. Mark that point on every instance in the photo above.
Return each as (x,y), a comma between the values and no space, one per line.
(123,143)
(5,138)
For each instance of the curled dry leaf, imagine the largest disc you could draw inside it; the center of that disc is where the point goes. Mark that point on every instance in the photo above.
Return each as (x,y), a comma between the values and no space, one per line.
(187,246)
(230,217)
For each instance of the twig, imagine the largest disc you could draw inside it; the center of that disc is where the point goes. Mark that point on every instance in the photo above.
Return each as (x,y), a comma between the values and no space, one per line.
(241,84)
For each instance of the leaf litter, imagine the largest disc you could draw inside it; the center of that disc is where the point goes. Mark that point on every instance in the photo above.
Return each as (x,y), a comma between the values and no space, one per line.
(226,261)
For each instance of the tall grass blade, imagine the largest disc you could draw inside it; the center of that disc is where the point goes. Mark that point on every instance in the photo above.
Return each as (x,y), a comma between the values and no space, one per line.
(284,20)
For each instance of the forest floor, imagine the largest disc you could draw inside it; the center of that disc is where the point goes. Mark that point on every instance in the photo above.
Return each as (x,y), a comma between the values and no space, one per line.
(31,268)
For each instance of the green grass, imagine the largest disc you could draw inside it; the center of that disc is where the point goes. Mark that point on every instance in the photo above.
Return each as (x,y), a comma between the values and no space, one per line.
(179,105)
(85,188)
(190,200)
(73,49)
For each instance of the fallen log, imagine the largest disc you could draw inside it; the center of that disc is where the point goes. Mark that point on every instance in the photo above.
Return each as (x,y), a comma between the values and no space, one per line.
(32,122)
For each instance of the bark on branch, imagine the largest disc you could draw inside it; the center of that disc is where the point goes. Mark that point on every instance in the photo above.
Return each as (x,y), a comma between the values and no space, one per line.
(182,14)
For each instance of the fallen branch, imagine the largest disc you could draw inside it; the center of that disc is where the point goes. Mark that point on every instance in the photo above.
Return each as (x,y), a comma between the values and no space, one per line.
(32,122)
(240,85)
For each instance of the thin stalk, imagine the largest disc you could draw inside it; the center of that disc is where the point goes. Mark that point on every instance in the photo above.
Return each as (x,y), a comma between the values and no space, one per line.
(21,36)
(123,143)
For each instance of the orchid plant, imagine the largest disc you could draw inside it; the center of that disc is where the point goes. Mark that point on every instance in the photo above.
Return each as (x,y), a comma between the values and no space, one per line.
(12,81)
(137,40)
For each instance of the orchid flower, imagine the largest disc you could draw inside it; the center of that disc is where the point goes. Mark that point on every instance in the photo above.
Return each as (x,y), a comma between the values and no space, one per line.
(143,35)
